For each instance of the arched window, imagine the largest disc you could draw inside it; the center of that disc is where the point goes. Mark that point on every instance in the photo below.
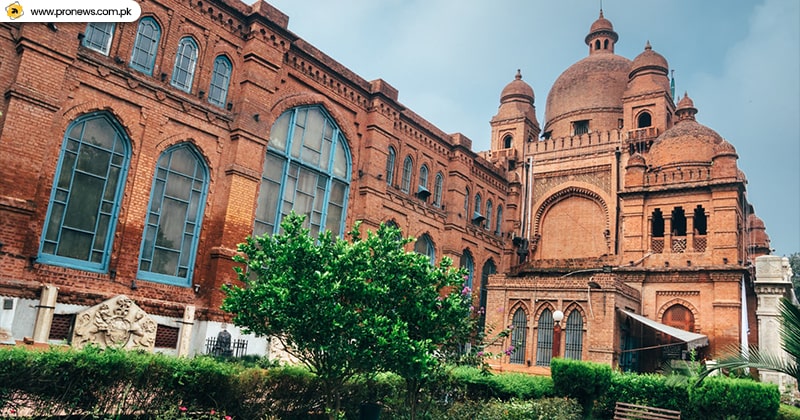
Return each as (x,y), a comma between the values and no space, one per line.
(488,269)
(390,158)
(185,61)
(644,120)
(87,190)
(98,36)
(507,140)
(489,211)
(424,246)
(220,81)
(657,232)
(174,217)
(437,190)
(574,336)
(679,316)
(422,189)
(466,202)
(597,44)
(700,221)
(544,340)
(518,336)
(499,222)
(678,230)
(408,166)
(478,204)
(307,169)
(145,47)
(468,264)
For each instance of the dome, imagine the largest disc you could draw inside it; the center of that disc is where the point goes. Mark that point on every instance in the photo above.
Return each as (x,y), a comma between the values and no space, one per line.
(518,90)
(636,160)
(601,26)
(596,82)
(687,141)
(649,60)
(725,149)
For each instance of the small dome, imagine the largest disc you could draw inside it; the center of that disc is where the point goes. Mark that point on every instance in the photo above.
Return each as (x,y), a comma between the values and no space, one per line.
(601,26)
(518,90)
(636,160)
(758,237)
(725,149)
(649,60)
(687,141)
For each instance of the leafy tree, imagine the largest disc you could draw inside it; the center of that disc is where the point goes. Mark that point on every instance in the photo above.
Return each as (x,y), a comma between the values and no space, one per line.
(790,337)
(344,308)
(794,262)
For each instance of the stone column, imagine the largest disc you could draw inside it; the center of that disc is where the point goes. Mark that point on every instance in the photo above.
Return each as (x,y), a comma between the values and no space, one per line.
(184,340)
(773,281)
(44,314)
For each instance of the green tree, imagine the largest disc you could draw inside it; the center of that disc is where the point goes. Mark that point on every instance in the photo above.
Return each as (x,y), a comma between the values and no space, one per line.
(790,343)
(794,262)
(344,308)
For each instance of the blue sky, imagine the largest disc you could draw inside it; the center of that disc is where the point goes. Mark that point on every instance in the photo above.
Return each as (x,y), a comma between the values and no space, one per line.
(739,61)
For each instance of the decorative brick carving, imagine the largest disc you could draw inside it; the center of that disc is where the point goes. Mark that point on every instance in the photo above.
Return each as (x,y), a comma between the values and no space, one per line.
(117,322)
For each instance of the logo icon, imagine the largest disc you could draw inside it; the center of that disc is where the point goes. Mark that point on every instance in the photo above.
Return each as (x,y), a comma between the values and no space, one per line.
(14,10)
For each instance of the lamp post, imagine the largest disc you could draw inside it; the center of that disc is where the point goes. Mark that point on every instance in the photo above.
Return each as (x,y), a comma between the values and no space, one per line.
(557,317)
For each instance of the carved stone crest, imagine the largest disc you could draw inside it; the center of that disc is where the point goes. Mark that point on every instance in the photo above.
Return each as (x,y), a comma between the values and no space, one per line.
(117,322)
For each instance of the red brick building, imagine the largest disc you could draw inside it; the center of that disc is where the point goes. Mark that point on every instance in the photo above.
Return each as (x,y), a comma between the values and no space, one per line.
(135,156)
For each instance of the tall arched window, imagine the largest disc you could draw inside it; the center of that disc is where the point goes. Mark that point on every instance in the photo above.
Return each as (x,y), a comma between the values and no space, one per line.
(98,36)
(678,230)
(423,177)
(519,336)
(408,166)
(544,340)
(424,246)
(507,140)
(87,190)
(466,202)
(307,169)
(468,264)
(574,336)
(499,222)
(220,81)
(700,227)
(644,120)
(390,158)
(185,62)
(174,216)
(145,47)
(657,232)
(488,269)
(437,190)
(478,205)
(489,210)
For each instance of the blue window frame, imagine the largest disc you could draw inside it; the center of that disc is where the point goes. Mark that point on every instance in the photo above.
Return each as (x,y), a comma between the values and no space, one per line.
(87,190)
(408,166)
(220,81)
(544,342)
(466,202)
(145,47)
(424,246)
(489,209)
(185,62)
(519,336)
(423,177)
(174,217)
(478,205)
(98,36)
(307,169)
(574,336)
(468,264)
(390,158)
(437,189)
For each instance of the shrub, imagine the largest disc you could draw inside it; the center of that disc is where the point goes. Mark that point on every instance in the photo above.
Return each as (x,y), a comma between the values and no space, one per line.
(788,412)
(545,408)
(584,381)
(645,389)
(722,398)
(479,384)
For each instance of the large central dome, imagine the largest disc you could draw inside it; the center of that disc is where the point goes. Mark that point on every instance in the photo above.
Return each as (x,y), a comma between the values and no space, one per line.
(590,89)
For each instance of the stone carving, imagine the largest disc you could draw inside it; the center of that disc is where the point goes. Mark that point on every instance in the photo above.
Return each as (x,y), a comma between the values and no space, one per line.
(117,322)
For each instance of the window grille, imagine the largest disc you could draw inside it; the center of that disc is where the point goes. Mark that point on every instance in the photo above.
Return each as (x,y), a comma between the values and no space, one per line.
(518,336)
(574,336)
(544,342)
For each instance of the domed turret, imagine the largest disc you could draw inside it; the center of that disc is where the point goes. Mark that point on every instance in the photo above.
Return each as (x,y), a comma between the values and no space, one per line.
(590,90)
(517,90)
(649,60)
(687,142)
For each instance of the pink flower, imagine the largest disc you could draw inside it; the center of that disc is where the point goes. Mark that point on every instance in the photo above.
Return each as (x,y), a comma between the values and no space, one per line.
(466,290)
(182,408)
(228,418)
(212,412)
(480,353)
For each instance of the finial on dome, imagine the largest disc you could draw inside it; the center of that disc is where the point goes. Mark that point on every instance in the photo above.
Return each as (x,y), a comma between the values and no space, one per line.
(647,46)
(518,75)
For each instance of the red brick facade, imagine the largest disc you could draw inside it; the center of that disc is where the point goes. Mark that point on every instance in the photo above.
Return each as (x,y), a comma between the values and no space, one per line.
(577,195)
